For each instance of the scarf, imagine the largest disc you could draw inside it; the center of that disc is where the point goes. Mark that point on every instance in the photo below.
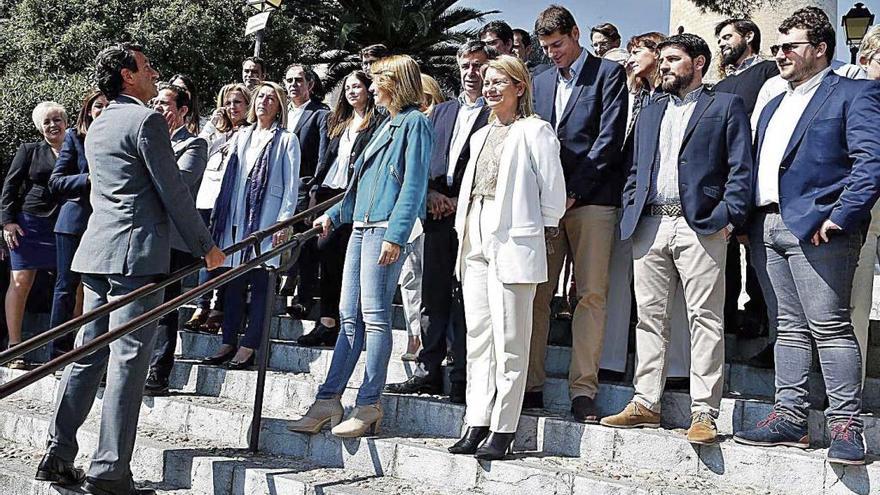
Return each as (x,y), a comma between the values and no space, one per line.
(256,189)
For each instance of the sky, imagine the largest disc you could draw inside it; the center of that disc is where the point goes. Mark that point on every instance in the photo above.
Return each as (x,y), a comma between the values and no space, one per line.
(630,16)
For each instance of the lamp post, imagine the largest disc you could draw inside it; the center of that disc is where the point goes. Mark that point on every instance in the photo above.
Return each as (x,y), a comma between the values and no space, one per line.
(856,23)
(257,23)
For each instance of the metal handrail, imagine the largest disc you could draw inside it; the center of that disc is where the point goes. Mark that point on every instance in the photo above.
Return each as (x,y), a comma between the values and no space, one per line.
(153,315)
(50,335)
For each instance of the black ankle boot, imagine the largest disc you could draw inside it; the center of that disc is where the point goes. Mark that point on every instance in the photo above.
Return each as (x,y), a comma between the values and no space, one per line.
(472,439)
(496,447)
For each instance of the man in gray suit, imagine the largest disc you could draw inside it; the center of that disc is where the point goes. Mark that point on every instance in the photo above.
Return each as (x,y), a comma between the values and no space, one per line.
(191,152)
(136,188)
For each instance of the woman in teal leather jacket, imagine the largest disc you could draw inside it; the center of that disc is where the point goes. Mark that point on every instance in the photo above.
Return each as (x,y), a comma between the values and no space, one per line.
(385,203)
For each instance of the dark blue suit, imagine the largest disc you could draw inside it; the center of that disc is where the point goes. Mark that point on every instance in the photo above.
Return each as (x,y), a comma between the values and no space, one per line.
(441,300)
(70,181)
(831,167)
(591,129)
(714,164)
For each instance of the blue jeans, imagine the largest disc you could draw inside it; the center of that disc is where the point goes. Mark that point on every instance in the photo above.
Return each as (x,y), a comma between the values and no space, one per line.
(64,295)
(365,312)
(809,288)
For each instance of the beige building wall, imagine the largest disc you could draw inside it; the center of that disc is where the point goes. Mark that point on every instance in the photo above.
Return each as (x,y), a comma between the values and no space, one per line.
(684,13)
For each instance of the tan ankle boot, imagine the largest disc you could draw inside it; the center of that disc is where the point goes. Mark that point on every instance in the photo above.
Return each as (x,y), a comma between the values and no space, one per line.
(362,419)
(634,415)
(703,430)
(320,413)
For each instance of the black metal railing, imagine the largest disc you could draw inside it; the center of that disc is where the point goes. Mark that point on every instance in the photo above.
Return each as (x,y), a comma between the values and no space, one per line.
(257,262)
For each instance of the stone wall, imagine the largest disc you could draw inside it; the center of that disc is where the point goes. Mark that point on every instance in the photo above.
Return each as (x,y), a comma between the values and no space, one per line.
(686,14)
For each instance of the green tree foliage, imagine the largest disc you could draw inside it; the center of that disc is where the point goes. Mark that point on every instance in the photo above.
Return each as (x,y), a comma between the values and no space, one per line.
(428,30)
(48,47)
(732,7)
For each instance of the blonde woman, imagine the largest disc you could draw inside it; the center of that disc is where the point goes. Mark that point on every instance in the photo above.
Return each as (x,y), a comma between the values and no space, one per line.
(28,212)
(512,196)
(433,95)
(259,188)
(233,102)
(385,205)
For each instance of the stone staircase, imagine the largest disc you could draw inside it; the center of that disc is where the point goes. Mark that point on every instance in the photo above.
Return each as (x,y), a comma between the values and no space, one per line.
(194,441)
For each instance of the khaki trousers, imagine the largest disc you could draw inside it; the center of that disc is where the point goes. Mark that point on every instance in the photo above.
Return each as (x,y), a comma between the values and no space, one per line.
(666,249)
(586,233)
(499,323)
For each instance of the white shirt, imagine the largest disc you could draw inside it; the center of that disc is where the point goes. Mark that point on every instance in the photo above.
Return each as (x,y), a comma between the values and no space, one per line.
(464,122)
(337,176)
(776,85)
(664,184)
(564,86)
(294,113)
(778,134)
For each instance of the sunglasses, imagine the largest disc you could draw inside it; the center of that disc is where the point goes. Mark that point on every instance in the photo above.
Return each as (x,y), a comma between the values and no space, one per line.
(787,47)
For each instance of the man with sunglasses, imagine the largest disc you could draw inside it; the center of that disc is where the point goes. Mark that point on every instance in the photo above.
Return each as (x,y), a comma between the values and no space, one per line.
(818,175)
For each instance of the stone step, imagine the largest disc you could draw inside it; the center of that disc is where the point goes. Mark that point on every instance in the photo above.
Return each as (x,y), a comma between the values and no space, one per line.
(293,393)
(646,453)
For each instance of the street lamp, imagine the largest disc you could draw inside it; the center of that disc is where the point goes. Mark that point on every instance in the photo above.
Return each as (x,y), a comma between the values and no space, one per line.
(257,23)
(856,23)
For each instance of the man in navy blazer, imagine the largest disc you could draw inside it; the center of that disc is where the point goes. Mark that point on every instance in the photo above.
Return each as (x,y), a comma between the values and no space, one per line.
(817,176)
(689,186)
(454,122)
(307,118)
(585,99)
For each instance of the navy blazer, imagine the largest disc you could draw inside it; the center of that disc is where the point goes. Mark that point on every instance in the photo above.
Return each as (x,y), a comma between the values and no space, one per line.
(311,130)
(591,129)
(70,181)
(831,167)
(443,119)
(714,164)
(26,185)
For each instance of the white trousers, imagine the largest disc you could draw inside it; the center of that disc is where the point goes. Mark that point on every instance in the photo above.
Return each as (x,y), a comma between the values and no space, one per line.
(411,287)
(499,329)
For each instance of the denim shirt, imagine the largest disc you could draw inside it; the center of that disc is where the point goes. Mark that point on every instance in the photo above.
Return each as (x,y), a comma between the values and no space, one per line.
(392,178)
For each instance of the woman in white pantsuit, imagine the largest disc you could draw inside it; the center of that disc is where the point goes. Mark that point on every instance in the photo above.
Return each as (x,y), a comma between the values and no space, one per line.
(513,189)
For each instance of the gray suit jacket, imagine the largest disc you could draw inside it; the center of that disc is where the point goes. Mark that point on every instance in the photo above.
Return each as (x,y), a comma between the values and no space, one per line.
(136,188)
(191,153)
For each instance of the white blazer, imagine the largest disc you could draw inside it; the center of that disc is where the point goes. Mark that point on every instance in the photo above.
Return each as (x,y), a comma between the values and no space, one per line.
(529,195)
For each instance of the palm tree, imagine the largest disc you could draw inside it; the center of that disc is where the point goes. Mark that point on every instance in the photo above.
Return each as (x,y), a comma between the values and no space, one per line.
(427,30)
(732,7)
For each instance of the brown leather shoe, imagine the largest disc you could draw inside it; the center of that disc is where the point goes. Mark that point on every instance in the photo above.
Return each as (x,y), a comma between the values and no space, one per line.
(703,430)
(634,415)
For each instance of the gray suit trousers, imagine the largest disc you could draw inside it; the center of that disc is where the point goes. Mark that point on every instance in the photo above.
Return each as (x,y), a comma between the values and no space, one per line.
(126,362)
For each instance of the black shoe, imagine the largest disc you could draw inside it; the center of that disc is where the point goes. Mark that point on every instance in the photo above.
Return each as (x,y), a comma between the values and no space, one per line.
(583,409)
(156,385)
(764,359)
(533,400)
(242,365)
(114,487)
(416,385)
(496,447)
(219,358)
(457,393)
(299,311)
(54,470)
(471,440)
(320,336)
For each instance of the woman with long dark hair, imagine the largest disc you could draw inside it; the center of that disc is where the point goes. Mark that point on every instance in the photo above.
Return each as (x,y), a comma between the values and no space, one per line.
(350,127)
(70,182)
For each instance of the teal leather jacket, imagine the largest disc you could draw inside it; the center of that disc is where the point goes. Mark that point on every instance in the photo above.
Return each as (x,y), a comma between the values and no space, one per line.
(391,178)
